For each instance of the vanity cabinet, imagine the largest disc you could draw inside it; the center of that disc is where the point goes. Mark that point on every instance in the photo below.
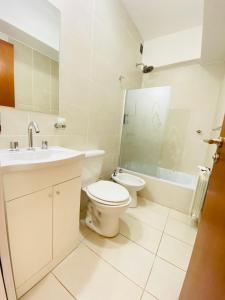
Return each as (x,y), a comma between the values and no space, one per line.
(65,216)
(30,233)
(42,211)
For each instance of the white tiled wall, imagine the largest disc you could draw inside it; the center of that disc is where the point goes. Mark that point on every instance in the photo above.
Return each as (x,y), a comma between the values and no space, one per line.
(98,44)
(14,125)
(217,123)
(195,90)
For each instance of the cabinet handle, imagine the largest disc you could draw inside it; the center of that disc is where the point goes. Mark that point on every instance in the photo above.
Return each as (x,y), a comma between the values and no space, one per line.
(57,192)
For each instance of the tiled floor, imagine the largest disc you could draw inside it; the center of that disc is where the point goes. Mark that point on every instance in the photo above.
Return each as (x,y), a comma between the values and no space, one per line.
(146,261)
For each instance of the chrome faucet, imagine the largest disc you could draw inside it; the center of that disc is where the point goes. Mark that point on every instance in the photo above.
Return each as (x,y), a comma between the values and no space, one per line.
(117,171)
(32,125)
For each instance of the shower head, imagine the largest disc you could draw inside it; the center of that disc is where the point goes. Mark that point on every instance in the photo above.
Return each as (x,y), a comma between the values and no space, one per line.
(145,69)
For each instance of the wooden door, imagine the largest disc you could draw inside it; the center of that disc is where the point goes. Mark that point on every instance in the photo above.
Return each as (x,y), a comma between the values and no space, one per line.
(205,279)
(7,97)
(66,210)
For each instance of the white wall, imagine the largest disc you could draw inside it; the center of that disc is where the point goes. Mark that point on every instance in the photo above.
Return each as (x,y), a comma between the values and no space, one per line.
(213,40)
(218,121)
(174,48)
(220,111)
(35,17)
(98,44)
(195,90)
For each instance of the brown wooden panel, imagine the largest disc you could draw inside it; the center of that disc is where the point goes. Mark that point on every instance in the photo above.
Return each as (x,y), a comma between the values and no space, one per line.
(7,97)
(205,279)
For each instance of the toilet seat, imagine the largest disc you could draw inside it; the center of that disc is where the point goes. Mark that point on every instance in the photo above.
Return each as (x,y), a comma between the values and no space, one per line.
(108,193)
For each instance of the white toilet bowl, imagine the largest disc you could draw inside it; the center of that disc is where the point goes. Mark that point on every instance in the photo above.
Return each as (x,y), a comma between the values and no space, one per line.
(107,201)
(132,183)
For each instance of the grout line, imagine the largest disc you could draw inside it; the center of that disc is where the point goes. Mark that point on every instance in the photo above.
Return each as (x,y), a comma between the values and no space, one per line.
(164,258)
(145,291)
(148,278)
(112,266)
(155,258)
(162,234)
(172,264)
(145,223)
(167,218)
(63,286)
(151,252)
(182,241)
(155,254)
(132,241)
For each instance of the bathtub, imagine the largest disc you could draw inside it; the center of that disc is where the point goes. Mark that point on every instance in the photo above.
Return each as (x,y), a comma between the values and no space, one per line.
(167,187)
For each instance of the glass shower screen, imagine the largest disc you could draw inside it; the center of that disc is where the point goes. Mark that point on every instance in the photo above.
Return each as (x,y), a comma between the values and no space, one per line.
(144,125)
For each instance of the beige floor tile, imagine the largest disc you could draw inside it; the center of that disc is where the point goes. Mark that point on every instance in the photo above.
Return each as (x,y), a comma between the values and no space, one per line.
(130,259)
(165,281)
(176,215)
(147,204)
(88,277)
(147,296)
(175,251)
(84,231)
(148,216)
(48,289)
(142,234)
(181,231)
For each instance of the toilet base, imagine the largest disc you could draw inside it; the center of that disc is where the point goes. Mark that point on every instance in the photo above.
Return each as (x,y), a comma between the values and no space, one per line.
(91,225)
(102,223)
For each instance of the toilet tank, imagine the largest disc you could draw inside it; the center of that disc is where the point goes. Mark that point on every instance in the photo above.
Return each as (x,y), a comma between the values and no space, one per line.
(92,166)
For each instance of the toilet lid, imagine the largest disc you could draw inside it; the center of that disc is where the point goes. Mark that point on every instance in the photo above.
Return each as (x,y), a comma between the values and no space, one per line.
(108,191)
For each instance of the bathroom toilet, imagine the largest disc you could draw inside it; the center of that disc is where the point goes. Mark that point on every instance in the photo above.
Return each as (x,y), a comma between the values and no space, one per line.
(107,200)
(132,183)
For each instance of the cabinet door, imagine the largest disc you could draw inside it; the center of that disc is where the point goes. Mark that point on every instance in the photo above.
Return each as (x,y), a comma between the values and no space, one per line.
(66,210)
(30,233)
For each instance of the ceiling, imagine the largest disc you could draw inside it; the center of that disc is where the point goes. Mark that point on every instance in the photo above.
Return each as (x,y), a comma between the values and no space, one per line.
(155,18)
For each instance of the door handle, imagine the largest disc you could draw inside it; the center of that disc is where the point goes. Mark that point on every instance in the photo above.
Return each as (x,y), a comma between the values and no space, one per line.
(218,142)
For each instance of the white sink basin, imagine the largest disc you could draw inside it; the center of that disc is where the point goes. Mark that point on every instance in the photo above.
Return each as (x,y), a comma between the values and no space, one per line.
(33,158)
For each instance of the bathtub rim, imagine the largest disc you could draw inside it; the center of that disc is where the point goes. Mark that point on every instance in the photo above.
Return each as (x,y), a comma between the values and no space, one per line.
(189,187)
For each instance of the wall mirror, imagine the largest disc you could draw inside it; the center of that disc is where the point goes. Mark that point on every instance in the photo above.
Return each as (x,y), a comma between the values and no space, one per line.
(29,55)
